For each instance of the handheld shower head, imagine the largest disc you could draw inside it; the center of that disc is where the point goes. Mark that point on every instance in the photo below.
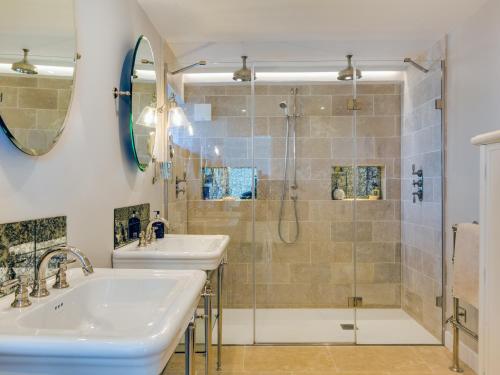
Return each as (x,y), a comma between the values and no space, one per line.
(284,107)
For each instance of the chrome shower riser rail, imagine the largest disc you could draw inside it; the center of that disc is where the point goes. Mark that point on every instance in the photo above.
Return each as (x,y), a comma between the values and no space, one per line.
(294,186)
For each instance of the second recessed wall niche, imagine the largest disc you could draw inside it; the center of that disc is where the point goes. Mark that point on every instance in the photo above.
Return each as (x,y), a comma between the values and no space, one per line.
(369,182)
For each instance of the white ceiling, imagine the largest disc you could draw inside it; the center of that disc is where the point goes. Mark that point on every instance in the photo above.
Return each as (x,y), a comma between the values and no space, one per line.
(222,30)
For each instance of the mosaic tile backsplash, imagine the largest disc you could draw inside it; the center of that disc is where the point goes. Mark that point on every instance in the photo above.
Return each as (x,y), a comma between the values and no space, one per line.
(122,235)
(22,243)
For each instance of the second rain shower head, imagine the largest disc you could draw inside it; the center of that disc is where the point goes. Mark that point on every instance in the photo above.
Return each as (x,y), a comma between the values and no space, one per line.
(347,74)
(244,74)
(24,65)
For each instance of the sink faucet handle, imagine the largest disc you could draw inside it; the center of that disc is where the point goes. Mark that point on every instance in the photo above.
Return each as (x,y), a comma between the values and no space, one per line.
(142,239)
(21,283)
(61,278)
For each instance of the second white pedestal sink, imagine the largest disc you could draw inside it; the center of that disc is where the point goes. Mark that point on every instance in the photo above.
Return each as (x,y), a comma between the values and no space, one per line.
(175,251)
(125,322)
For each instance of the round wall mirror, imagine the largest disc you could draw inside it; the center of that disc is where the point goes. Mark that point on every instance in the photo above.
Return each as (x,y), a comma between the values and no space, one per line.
(37,71)
(143,116)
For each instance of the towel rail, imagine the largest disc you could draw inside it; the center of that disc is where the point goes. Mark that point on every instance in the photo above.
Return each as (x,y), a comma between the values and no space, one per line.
(454,320)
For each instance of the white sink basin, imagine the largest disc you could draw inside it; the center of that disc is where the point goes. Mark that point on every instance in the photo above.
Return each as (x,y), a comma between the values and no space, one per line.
(175,251)
(110,322)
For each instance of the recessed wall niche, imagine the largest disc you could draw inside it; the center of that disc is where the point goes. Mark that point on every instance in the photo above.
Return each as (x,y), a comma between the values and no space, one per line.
(227,183)
(369,182)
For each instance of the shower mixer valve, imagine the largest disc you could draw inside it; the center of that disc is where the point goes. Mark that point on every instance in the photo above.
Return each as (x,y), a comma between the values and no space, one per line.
(418,184)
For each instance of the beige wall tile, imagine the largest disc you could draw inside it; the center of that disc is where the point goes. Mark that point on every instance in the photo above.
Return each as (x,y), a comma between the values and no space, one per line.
(332,89)
(228,105)
(387,105)
(19,118)
(330,126)
(378,88)
(203,90)
(313,148)
(375,252)
(376,126)
(315,105)
(37,98)
(9,96)
(56,83)
(63,99)
(18,81)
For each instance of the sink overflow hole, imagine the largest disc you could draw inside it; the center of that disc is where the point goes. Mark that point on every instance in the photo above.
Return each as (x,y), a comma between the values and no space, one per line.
(56,307)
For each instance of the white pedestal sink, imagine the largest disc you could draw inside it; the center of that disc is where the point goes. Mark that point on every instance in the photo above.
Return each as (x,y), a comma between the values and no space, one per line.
(175,251)
(110,322)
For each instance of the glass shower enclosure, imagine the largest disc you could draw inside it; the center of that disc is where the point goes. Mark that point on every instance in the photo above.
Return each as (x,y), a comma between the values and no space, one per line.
(313,179)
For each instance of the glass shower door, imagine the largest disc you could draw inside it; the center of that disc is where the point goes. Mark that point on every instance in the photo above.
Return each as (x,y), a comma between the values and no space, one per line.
(303,238)
(398,248)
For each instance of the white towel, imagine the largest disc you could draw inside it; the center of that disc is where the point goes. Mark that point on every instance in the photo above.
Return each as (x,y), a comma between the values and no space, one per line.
(466,267)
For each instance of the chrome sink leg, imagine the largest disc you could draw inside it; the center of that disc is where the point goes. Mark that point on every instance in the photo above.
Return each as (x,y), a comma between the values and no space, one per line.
(220,274)
(207,303)
(189,352)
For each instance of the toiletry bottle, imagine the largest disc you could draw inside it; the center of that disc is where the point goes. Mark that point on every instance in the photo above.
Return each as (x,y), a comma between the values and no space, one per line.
(159,228)
(134,226)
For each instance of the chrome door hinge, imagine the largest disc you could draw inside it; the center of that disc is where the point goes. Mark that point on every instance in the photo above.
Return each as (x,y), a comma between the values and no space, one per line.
(354,105)
(354,301)
(439,301)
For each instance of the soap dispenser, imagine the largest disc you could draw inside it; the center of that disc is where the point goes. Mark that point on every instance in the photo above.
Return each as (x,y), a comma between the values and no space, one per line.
(158,226)
(134,226)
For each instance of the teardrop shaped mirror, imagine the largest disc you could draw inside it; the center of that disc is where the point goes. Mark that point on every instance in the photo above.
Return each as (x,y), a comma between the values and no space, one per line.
(37,71)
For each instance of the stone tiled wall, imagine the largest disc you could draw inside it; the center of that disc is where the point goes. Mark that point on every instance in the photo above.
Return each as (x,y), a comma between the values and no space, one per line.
(422,221)
(34,107)
(22,243)
(317,271)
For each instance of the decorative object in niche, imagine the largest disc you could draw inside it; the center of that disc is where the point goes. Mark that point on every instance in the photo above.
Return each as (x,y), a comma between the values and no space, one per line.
(21,244)
(369,182)
(122,220)
(228,183)
(144,106)
(36,92)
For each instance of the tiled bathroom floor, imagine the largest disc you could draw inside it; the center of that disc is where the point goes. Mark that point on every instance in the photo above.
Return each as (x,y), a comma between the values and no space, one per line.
(326,360)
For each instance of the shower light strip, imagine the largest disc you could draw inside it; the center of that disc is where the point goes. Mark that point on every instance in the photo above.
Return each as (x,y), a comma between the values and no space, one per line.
(292,77)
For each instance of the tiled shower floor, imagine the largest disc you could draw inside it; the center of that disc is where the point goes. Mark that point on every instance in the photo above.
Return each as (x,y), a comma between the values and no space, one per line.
(288,326)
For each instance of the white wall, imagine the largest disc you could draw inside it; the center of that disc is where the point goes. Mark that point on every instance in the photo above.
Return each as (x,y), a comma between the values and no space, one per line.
(89,172)
(473,105)
(473,108)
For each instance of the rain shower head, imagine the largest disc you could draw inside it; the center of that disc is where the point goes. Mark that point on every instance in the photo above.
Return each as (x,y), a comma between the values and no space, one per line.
(24,66)
(244,74)
(347,74)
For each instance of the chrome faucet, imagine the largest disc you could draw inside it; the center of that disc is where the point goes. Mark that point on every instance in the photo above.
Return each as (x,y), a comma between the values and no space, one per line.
(150,233)
(40,283)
